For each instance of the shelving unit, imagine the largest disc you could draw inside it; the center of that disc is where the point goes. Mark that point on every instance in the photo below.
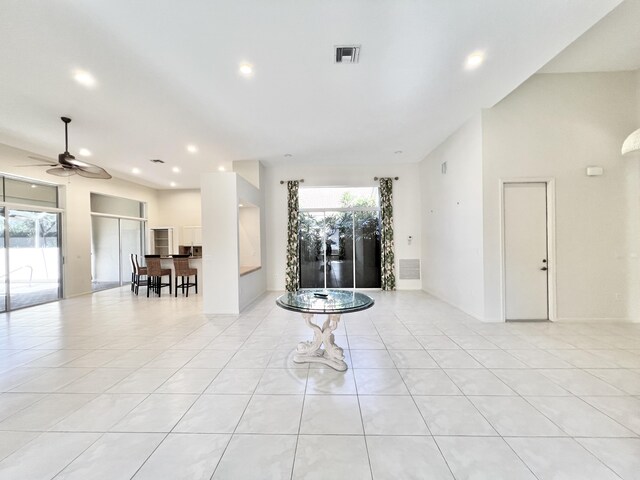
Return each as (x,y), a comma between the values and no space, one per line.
(162,241)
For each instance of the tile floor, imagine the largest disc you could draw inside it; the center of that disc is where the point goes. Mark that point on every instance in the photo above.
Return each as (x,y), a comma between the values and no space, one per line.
(113,386)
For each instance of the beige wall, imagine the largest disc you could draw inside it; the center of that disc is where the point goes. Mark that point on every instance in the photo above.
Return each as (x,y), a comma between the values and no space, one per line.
(178,209)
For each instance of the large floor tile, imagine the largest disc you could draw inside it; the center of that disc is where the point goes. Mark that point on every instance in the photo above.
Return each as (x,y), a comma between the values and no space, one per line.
(626,380)
(622,455)
(391,415)
(412,359)
(578,418)
(624,410)
(329,381)
(513,416)
(478,382)
(157,413)
(452,416)
(283,381)
(454,359)
(560,458)
(331,414)
(45,413)
(409,458)
(213,414)
(272,414)
(183,456)
(45,456)
(347,454)
(268,457)
(233,380)
(379,382)
(114,456)
(580,382)
(482,458)
(371,359)
(101,413)
(429,382)
(529,382)
(189,380)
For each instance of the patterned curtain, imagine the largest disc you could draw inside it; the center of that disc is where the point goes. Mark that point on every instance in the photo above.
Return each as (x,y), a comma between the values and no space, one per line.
(386,211)
(292,281)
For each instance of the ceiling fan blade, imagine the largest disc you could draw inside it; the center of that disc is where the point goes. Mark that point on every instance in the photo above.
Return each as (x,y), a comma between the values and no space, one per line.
(41,158)
(38,165)
(61,171)
(93,172)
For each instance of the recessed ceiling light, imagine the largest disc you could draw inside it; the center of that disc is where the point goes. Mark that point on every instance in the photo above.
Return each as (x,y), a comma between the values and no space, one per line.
(135,170)
(175,169)
(474,60)
(240,205)
(84,78)
(221,169)
(84,152)
(172,184)
(192,148)
(246,69)
(34,186)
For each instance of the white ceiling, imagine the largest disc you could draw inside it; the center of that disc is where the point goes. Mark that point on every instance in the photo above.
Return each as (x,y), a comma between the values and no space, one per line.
(167,75)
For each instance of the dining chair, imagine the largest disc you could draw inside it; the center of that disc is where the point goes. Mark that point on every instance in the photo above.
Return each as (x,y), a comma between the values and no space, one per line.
(183,270)
(155,272)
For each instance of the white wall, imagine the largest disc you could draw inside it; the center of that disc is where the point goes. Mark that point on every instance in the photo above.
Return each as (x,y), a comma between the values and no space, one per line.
(249,236)
(452,253)
(406,203)
(75,198)
(178,209)
(224,290)
(556,125)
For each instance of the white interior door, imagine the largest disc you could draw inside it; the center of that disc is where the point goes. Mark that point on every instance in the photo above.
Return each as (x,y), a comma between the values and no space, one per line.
(525,242)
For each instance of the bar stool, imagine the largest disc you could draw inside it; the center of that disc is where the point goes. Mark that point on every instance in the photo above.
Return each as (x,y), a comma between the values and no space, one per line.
(155,272)
(182,269)
(138,272)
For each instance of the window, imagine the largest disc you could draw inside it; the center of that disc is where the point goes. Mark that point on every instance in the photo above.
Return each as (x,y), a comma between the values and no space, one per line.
(339,237)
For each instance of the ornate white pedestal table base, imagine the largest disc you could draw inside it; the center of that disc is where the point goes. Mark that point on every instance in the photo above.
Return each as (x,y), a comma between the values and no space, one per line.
(312,352)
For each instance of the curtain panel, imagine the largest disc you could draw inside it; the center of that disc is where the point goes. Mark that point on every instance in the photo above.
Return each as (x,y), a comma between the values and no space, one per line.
(292,274)
(387,250)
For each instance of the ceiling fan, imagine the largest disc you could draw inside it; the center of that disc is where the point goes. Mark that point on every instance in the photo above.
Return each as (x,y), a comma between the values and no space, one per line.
(68,165)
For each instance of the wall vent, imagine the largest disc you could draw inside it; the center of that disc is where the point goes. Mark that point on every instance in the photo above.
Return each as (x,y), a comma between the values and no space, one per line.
(347,54)
(409,269)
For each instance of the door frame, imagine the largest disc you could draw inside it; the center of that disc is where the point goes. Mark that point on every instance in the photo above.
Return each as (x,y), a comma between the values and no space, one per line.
(551,243)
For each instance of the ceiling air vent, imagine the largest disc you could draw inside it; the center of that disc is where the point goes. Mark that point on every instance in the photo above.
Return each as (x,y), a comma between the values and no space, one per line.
(156,160)
(347,54)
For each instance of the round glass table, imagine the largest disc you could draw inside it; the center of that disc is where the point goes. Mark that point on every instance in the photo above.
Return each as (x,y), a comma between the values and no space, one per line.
(332,303)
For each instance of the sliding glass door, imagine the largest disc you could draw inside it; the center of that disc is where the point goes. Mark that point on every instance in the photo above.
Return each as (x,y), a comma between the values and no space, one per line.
(34,257)
(340,249)
(113,240)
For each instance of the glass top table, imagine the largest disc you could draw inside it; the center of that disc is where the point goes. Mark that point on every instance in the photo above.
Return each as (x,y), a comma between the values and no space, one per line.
(314,301)
(332,303)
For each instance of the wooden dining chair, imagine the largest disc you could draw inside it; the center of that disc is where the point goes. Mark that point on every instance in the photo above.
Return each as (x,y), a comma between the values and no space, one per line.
(155,272)
(183,270)
(138,273)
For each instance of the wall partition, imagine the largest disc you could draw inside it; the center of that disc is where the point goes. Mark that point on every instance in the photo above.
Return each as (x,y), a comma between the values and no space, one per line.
(30,243)
(339,237)
(117,231)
